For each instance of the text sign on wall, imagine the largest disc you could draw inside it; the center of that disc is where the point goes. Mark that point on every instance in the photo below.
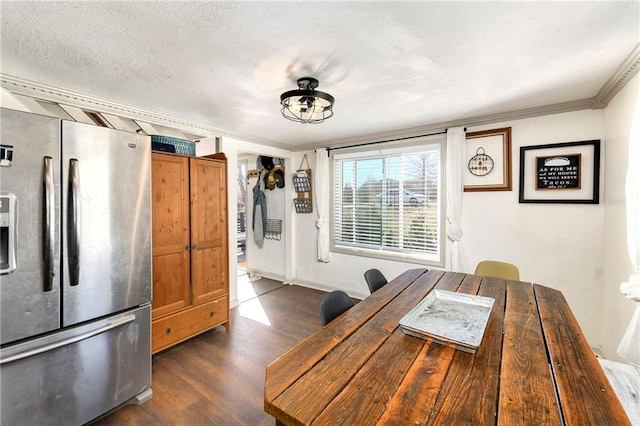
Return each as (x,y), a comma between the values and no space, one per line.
(558,172)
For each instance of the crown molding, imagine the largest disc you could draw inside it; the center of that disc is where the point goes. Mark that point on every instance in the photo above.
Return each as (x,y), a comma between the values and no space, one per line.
(57,95)
(521,114)
(618,80)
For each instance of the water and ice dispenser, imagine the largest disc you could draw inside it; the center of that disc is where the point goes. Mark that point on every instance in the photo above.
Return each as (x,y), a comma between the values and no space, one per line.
(7,219)
(7,233)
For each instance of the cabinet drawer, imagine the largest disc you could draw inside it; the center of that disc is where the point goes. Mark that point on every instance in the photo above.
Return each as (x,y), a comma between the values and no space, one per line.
(175,328)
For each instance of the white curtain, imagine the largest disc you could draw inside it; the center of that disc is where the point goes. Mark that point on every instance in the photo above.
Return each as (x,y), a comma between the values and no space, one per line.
(454,169)
(321,181)
(630,344)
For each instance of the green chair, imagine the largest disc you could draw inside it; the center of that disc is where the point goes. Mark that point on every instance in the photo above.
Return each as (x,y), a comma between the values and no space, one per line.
(494,268)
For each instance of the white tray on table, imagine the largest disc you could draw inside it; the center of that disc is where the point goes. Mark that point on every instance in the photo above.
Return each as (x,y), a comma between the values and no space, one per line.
(453,319)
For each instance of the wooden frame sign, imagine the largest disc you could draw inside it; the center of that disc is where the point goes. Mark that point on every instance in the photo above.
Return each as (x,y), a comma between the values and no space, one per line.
(566,172)
(488,160)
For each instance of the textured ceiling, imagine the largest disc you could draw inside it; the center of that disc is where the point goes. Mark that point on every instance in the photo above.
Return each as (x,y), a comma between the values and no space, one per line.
(390,65)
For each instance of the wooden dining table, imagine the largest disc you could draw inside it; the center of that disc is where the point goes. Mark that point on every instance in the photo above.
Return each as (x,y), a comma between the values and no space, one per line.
(533,366)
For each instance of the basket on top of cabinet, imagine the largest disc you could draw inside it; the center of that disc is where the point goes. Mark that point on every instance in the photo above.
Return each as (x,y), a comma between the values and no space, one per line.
(173,145)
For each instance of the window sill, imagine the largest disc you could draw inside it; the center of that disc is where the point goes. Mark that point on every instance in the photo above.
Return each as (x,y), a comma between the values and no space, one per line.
(420,259)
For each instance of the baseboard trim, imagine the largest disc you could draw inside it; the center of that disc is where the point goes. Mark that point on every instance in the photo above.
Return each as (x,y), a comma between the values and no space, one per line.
(234,303)
(599,351)
(267,274)
(323,287)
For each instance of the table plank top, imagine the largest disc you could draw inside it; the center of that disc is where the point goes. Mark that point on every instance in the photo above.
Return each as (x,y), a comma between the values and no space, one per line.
(363,369)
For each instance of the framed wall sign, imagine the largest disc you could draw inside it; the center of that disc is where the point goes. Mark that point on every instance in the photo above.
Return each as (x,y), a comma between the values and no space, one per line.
(488,160)
(566,172)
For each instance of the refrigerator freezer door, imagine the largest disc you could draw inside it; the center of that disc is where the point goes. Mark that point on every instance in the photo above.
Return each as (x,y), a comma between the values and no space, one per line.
(106,233)
(75,375)
(30,191)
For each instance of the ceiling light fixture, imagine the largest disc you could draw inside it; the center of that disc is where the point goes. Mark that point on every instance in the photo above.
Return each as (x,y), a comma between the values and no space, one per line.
(306,104)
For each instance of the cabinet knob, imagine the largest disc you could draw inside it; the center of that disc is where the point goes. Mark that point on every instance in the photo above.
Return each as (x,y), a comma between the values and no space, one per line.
(210,314)
(168,330)
(193,246)
(187,247)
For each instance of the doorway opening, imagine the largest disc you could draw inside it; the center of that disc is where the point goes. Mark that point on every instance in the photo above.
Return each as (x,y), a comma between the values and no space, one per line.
(241,220)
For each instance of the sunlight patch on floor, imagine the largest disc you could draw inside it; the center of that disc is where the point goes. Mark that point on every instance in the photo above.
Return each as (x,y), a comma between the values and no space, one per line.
(253,310)
(245,289)
(250,306)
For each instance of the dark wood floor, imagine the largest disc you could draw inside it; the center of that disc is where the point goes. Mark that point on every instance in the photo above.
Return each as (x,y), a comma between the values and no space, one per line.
(217,378)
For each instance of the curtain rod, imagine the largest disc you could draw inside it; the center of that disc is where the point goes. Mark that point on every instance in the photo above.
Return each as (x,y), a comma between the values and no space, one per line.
(385,141)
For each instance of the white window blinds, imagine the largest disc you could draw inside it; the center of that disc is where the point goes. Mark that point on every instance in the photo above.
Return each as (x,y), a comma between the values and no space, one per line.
(389,201)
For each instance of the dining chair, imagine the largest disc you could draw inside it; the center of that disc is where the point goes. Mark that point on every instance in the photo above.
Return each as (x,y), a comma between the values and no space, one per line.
(375,279)
(333,304)
(494,268)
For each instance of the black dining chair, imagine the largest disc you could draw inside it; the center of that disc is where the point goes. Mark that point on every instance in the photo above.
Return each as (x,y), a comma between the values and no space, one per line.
(375,279)
(333,304)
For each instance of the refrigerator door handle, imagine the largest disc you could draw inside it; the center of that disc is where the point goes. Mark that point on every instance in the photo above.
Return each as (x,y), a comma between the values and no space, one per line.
(26,354)
(48,225)
(72,222)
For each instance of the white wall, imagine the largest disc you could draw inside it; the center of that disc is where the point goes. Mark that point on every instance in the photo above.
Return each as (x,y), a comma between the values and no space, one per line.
(558,245)
(616,310)
(270,259)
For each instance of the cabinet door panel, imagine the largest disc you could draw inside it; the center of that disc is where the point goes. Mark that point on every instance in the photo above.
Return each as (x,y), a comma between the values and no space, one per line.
(208,229)
(209,274)
(171,229)
(170,283)
(170,183)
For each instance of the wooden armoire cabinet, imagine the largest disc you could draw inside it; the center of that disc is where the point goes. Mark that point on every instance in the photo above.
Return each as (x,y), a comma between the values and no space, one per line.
(190,249)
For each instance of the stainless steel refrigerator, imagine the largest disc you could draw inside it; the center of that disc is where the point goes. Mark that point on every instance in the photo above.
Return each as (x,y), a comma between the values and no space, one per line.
(75,269)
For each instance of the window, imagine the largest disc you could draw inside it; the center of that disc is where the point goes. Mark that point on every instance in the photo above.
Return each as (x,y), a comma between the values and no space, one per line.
(388,203)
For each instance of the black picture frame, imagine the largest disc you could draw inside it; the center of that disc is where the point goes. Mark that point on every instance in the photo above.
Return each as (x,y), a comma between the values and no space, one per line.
(562,173)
